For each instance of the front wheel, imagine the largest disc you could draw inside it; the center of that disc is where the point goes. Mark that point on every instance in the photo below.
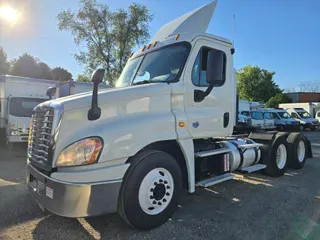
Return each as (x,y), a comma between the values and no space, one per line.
(150,190)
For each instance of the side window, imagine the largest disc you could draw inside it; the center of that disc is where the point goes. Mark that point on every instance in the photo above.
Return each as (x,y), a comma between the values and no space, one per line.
(199,70)
(275,116)
(294,115)
(318,114)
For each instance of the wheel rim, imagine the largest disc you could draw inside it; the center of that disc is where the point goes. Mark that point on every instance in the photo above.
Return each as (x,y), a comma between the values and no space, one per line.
(156,190)
(281,156)
(301,151)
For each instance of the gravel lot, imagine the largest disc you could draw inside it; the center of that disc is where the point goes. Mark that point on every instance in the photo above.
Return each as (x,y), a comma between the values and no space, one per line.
(251,207)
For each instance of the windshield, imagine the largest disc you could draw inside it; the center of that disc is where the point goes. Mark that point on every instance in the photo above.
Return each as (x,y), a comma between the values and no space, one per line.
(304,115)
(284,115)
(256,115)
(267,115)
(245,113)
(163,65)
(22,107)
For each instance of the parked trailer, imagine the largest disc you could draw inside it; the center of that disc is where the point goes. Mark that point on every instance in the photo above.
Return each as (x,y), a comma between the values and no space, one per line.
(164,127)
(70,88)
(18,97)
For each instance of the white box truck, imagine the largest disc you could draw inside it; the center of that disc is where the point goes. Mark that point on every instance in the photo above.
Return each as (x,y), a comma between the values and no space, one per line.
(70,88)
(19,96)
(165,126)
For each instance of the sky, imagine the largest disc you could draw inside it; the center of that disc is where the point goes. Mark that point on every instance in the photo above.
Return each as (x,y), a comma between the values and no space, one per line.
(278,35)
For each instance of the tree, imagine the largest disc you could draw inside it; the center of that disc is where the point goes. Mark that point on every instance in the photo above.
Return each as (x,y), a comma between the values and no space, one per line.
(43,71)
(83,78)
(25,66)
(109,36)
(256,84)
(4,64)
(60,74)
(274,102)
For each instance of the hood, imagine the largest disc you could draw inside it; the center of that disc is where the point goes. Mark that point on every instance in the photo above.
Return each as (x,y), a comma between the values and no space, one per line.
(307,120)
(291,120)
(112,95)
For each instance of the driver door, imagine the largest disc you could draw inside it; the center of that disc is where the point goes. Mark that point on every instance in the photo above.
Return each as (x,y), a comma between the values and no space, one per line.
(214,115)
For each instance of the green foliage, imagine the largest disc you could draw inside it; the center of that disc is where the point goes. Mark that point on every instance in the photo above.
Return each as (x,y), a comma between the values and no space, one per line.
(83,78)
(60,74)
(109,36)
(4,64)
(256,84)
(273,102)
(27,66)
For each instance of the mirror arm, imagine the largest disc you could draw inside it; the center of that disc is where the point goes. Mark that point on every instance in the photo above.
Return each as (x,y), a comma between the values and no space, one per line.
(94,112)
(200,95)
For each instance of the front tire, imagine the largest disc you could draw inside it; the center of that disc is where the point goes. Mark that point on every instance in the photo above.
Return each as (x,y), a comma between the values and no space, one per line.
(150,190)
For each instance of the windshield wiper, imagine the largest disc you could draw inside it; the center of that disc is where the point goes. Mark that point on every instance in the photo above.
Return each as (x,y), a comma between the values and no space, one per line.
(147,81)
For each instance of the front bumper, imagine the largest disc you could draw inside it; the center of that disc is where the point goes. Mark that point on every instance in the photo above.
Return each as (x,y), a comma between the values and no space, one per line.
(291,126)
(311,126)
(73,199)
(16,139)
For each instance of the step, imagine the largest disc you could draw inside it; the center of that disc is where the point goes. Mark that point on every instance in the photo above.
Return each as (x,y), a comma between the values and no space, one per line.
(212,152)
(216,180)
(253,168)
(250,145)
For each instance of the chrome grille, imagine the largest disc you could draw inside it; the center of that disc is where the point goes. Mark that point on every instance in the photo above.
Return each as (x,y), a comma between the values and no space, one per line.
(40,135)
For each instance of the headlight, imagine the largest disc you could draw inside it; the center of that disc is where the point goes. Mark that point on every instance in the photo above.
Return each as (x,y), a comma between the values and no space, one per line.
(85,151)
(14,132)
(302,122)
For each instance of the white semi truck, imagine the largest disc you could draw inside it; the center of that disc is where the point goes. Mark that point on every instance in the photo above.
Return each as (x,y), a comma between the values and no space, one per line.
(18,97)
(165,126)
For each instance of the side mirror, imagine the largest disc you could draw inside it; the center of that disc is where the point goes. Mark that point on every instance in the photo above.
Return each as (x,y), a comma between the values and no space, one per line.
(97,76)
(50,92)
(215,67)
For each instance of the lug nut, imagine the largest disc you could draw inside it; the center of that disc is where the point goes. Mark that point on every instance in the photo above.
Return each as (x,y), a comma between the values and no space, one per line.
(159,203)
(168,194)
(160,180)
(165,182)
(151,197)
(151,190)
(154,202)
(168,187)
(164,200)
(155,183)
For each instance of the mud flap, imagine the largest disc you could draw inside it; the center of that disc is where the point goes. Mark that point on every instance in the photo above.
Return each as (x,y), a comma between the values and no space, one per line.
(309,149)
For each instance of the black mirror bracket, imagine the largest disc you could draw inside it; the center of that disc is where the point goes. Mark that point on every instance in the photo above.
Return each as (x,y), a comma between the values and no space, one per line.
(94,112)
(200,95)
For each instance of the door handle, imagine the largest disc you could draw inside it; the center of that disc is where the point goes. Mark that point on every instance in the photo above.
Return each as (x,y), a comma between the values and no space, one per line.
(225,119)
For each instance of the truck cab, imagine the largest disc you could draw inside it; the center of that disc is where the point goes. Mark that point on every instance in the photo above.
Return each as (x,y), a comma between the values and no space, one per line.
(305,119)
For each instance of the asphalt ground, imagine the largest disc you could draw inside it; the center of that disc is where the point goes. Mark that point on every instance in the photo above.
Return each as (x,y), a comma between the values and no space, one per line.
(250,207)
